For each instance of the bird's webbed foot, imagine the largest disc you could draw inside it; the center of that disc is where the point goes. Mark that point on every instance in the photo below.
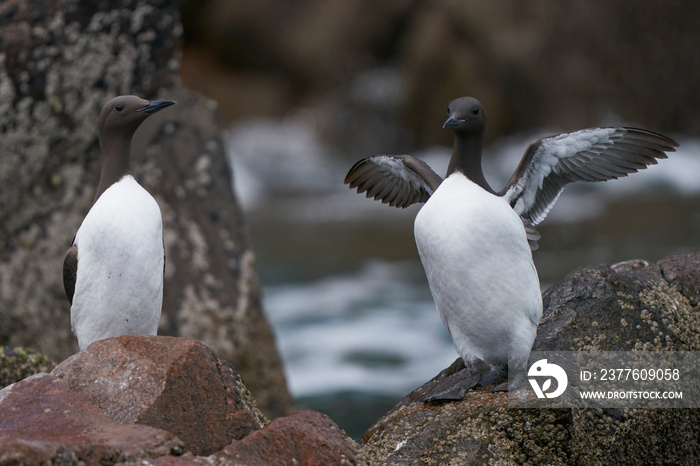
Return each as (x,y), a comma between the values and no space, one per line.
(454,382)
(518,381)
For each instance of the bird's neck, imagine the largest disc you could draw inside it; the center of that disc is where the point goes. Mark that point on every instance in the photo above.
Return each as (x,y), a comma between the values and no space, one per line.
(466,159)
(116,157)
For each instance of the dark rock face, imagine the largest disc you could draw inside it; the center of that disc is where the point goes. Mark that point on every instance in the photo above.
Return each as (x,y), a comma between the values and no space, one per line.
(60,62)
(45,422)
(175,384)
(628,306)
(541,64)
(632,305)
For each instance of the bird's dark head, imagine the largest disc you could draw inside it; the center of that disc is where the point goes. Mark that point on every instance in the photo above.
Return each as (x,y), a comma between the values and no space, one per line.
(125,113)
(465,115)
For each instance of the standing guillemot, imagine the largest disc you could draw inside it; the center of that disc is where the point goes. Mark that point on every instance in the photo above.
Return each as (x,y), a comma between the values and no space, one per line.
(113,272)
(475,243)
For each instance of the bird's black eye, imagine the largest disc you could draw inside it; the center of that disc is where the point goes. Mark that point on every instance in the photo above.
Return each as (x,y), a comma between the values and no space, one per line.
(475,110)
(119,107)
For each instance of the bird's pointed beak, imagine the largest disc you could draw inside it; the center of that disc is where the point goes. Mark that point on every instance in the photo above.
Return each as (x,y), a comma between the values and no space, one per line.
(452,122)
(156,106)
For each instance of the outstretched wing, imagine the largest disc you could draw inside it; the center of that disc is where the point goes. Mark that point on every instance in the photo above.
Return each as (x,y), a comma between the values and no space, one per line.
(533,236)
(594,154)
(397,180)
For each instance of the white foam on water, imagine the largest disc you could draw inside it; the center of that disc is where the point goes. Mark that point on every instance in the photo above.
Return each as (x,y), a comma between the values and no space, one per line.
(374,329)
(275,156)
(284,160)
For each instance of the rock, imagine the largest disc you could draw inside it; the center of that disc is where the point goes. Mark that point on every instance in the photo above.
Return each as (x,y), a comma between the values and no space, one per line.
(304,438)
(173,395)
(19,363)
(60,62)
(45,422)
(174,384)
(633,305)
(145,399)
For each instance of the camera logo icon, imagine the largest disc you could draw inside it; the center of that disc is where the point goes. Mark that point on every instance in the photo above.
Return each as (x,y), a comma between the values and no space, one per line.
(542,369)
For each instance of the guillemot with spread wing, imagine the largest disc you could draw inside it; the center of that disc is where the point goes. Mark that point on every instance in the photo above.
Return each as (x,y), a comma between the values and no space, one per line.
(475,243)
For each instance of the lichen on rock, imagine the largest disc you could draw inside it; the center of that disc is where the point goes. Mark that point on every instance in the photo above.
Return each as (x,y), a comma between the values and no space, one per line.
(18,363)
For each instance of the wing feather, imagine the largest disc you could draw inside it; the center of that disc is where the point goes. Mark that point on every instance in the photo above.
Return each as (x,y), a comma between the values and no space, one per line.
(594,154)
(397,180)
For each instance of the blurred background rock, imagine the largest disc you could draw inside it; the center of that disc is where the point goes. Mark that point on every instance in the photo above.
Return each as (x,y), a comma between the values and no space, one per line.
(538,63)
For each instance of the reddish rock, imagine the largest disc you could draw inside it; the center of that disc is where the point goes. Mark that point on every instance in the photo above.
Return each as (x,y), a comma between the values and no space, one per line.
(175,384)
(44,422)
(303,438)
(184,460)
